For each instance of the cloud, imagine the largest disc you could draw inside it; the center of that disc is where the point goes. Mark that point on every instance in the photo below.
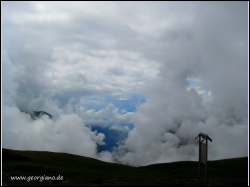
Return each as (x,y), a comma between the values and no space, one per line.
(166,125)
(81,61)
(47,135)
(107,117)
(76,58)
(123,99)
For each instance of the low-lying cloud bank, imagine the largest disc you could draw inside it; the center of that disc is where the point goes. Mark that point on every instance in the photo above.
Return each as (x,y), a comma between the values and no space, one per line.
(65,134)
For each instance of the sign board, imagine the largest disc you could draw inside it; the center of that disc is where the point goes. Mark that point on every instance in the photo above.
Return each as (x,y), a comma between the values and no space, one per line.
(203,160)
(203,153)
(203,146)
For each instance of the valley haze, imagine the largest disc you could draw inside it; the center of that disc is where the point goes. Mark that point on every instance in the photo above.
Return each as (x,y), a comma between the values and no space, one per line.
(126,82)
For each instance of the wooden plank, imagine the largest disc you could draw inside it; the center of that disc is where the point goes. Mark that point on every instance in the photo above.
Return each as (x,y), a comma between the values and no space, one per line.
(203,146)
(203,159)
(204,153)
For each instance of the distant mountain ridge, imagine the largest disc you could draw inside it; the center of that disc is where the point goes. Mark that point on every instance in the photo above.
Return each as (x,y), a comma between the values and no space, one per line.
(37,114)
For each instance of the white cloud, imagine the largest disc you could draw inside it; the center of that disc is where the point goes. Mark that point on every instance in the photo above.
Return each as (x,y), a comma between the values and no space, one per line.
(123,99)
(166,125)
(67,133)
(106,117)
(203,93)
(120,128)
(59,56)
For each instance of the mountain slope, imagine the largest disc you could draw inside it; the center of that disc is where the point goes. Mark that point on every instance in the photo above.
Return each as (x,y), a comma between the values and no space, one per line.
(81,170)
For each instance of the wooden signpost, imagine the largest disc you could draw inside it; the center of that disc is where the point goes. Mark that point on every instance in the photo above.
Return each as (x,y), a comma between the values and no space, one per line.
(203,152)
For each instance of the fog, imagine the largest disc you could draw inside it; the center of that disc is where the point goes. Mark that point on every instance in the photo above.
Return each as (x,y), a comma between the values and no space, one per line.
(83,61)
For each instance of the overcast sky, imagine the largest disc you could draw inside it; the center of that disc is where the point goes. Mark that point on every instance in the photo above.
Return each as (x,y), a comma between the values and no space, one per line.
(171,69)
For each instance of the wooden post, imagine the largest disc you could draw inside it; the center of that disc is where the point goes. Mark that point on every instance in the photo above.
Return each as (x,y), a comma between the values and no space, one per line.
(199,158)
(206,164)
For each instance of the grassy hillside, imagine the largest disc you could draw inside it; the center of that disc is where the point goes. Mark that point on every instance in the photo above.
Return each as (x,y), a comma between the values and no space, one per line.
(81,170)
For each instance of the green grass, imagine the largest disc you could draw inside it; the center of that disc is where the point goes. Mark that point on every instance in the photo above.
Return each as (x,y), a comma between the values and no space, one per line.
(82,169)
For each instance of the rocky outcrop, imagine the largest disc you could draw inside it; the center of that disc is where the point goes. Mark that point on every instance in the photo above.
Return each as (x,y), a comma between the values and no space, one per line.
(37,114)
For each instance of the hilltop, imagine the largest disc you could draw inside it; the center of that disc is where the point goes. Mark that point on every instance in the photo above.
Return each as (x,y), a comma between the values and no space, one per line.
(37,114)
(80,170)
